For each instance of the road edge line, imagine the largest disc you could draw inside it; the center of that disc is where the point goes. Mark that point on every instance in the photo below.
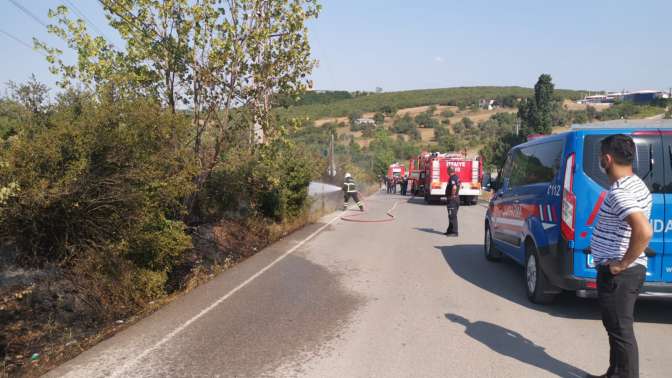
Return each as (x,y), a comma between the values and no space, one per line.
(219,301)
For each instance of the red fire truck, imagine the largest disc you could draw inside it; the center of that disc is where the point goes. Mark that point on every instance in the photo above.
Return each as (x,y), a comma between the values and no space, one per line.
(415,185)
(396,170)
(434,176)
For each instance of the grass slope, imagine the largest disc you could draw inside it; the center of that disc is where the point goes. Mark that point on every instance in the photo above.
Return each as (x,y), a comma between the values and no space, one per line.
(409,99)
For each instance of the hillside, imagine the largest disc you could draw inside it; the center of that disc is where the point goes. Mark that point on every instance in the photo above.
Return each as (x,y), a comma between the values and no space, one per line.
(375,102)
(427,134)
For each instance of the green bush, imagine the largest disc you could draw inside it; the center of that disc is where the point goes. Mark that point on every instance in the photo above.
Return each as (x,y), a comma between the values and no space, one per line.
(447,114)
(279,180)
(379,118)
(103,182)
(158,244)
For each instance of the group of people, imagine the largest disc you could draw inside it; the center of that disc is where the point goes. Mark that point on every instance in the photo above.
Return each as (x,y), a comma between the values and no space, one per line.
(620,237)
(391,184)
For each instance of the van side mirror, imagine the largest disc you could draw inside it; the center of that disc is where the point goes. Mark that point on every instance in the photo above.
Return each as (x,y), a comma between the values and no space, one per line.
(486,182)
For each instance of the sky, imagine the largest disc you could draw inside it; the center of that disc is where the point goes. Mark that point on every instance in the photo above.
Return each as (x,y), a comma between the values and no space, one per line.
(401,45)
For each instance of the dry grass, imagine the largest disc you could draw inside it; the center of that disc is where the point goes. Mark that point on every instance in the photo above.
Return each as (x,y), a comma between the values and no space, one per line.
(427,135)
(323,121)
(421,109)
(572,105)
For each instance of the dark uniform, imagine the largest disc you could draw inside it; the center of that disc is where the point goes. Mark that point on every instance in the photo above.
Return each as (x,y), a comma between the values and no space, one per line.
(404,185)
(453,198)
(350,191)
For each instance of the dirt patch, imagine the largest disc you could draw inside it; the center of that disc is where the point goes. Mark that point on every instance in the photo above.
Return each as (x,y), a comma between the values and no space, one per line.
(426,134)
(337,120)
(481,115)
(572,105)
(421,109)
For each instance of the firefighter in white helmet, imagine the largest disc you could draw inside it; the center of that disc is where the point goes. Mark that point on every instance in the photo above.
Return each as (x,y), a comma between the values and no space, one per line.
(350,191)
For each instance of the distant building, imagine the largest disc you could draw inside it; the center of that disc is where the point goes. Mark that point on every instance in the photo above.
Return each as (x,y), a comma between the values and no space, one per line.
(643,97)
(638,97)
(365,121)
(487,104)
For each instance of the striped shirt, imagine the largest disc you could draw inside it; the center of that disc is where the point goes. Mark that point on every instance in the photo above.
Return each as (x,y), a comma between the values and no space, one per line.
(611,235)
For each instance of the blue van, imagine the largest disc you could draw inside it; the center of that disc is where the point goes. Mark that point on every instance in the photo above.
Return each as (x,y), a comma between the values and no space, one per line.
(548,196)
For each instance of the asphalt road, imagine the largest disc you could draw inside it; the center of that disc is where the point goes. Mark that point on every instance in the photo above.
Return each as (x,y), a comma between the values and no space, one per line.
(379,299)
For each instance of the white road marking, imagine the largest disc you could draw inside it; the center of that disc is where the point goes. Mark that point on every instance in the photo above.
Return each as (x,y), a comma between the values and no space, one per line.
(186,324)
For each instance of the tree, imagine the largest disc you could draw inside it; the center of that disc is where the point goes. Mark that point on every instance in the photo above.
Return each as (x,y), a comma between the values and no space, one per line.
(447,114)
(543,96)
(354,116)
(467,122)
(537,113)
(379,118)
(591,112)
(495,152)
(388,110)
(33,95)
(220,60)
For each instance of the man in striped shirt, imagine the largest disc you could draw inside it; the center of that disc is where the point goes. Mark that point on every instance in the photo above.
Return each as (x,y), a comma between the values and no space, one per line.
(620,237)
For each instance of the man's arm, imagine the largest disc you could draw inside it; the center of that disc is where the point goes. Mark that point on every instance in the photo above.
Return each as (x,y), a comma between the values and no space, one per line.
(642,232)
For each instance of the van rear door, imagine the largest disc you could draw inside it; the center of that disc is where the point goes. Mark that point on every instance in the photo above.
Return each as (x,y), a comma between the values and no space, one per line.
(666,226)
(649,166)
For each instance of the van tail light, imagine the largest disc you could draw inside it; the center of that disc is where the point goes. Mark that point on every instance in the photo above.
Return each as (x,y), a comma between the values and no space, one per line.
(568,200)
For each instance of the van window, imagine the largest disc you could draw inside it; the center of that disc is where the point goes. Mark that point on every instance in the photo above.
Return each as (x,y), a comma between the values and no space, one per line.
(506,171)
(536,164)
(648,164)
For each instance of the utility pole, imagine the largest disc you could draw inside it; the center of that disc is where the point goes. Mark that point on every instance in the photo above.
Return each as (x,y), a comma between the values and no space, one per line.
(331,169)
(517,125)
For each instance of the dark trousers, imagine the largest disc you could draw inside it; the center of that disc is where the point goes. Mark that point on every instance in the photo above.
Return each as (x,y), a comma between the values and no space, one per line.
(355,197)
(617,295)
(453,207)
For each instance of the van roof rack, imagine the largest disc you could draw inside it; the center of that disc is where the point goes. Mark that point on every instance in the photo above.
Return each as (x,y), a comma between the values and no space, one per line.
(627,124)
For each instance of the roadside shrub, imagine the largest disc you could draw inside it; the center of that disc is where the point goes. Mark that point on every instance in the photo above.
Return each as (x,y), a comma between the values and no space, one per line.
(108,182)
(279,180)
(271,182)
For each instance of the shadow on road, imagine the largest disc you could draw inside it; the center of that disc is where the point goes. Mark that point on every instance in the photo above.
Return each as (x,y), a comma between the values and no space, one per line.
(512,344)
(429,231)
(505,279)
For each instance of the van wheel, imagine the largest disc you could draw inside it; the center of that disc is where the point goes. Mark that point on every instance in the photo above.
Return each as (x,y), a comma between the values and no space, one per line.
(491,252)
(536,283)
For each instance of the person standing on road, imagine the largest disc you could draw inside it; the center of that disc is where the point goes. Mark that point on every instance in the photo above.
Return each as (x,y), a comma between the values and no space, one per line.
(453,202)
(620,237)
(404,185)
(350,191)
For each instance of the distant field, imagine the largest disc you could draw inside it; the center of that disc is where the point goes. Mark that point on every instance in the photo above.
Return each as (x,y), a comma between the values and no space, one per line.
(411,99)
(426,134)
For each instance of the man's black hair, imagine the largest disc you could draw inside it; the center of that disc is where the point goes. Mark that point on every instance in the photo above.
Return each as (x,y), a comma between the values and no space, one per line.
(620,147)
(451,169)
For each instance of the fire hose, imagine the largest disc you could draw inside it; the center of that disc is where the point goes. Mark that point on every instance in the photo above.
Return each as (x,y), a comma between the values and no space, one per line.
(390,216)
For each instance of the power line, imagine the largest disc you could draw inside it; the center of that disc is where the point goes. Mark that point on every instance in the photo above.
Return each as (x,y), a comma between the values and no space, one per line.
(20,41)
(16,39)
(29,13)
(83,16)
